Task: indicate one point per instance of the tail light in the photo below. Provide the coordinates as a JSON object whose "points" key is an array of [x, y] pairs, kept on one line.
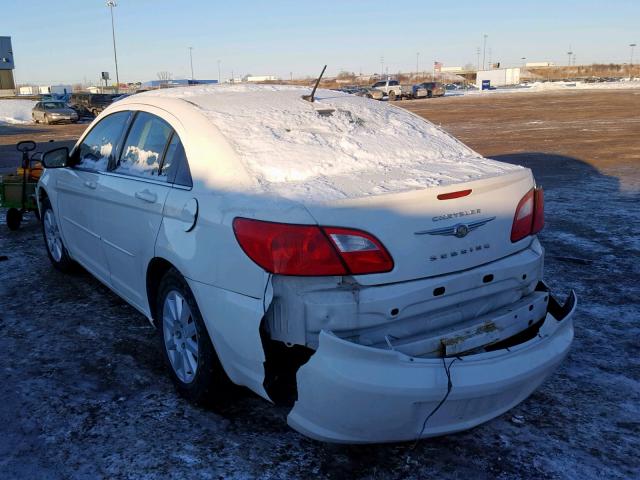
{"points": [[529, 217], [310, 250]]}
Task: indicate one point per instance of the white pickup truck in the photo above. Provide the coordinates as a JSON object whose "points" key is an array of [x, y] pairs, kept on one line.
{"points": [[392, 89]]}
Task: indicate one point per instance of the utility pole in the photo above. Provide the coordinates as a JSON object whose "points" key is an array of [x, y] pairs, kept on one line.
{"points": [[218, 71], [478, 54], [111, 4], [569, 53], [191, 61], [523, 60], [417, 63], [381, 67], [632, 46], [484, 50]]}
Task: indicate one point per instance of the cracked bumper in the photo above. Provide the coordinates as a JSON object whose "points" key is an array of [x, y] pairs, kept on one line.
{"points": [[349, 393]]}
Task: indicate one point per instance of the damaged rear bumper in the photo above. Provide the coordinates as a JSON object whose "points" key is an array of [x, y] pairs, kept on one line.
{"points": [[350, 393]]}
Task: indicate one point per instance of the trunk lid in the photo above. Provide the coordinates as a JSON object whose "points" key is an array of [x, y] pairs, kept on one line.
{"points": [[419, 232]]}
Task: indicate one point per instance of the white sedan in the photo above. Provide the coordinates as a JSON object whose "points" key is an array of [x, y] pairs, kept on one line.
{"points": [[343, 256]]}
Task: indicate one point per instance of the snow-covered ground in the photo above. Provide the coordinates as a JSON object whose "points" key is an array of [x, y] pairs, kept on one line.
{"points": [[16, 111], [552, 86]]}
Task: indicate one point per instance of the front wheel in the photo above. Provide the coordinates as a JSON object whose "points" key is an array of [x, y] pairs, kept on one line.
{"points": [[392, 96], [195, 368], [56, 250]]}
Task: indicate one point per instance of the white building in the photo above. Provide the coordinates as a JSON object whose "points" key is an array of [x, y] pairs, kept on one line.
{"points": [[260, 78], [55, 89], [29, 90], [451, 69], [539, 64], [499, 77]]}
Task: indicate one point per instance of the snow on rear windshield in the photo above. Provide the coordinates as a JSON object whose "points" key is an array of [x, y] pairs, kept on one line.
{"points": [[359, 147]]}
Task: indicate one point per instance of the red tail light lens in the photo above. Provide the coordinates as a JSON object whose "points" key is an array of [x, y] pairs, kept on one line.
{"points": [[361, 251], [529, 217], [538, 213], [309, 250]]}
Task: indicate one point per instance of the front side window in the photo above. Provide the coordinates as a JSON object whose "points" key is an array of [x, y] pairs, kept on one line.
{"points": [[393, 82], [98, 148], [145, 145]]}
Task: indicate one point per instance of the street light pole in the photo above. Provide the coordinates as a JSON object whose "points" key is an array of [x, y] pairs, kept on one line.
{"points": [[218, 71], [523, 60], [111, 4], [632, 45], [191, 61], [417, 63], [484, 50]]}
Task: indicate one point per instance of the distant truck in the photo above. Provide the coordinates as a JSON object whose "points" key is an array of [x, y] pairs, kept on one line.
{"points": [[393, 90], [90, 103]]}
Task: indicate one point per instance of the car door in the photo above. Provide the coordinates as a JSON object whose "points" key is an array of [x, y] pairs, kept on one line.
{"points": [[131, 200], [76, 188], [38, 112]]}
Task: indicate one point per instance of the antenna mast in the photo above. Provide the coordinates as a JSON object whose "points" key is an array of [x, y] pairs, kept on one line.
{"points": [[311, 98]]}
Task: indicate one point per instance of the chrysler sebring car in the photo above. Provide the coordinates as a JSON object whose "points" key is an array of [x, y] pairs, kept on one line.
{"points": [[340, 256]]}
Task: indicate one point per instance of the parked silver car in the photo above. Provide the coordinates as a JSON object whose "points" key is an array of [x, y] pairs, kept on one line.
{"points": [[53, 112]]}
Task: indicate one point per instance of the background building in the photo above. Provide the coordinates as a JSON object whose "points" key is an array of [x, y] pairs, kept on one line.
{"points": [[6, 64]]}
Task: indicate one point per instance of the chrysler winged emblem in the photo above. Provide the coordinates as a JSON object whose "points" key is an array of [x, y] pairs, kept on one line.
{"points": [[459, 230]]}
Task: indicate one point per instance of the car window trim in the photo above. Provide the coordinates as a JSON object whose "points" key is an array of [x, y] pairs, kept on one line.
{"points": [[133, 114], [164, 154]]}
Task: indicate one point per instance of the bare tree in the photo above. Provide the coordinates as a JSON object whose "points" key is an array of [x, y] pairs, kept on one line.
{"points": [[164, 76]]}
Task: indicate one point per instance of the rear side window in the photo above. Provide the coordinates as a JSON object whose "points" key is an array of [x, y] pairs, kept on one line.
{"points": [[393, 82], [144, 148], [175, 165], [98, 148]]}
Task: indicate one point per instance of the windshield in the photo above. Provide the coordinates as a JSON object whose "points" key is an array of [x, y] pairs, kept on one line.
{"points": [[53, 105]]}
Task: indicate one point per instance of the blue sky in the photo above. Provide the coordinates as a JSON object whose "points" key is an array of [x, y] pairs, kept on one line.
{"points": [[70, 40]]}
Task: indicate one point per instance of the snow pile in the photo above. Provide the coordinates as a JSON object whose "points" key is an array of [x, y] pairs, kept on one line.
{"points": [[341, 146], [16, 111]]}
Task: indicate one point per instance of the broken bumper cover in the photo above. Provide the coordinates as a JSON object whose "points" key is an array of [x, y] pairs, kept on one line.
{"points": [[349, 393]]}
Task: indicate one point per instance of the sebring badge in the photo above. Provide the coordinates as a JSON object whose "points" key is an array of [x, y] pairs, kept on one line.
{"points": [[459, 230]]}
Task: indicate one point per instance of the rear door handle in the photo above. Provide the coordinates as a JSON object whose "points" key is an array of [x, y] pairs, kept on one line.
{"points": [[90, 184], [147, 196]]}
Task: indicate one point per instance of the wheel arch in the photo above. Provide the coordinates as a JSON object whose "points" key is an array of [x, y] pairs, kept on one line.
{"points": [[156, 269]]}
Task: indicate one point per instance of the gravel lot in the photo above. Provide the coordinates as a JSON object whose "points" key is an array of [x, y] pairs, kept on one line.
{"points": [[85, 395]]}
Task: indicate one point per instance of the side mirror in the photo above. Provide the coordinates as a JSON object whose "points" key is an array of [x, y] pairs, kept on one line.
{"points": [[56, 158]]}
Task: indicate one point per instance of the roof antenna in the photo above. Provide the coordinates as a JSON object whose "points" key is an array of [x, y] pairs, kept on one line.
{"points": [[311, 98]]}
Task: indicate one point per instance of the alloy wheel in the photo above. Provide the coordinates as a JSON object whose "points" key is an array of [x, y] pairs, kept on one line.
{"points": [[180, 336]]}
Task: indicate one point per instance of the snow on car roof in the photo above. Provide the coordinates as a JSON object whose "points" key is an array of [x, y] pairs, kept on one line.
{"points": [[340, 146]]}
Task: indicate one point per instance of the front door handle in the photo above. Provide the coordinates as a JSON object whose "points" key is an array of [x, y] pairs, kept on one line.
{"points": [[147, 196], [90, 184]]}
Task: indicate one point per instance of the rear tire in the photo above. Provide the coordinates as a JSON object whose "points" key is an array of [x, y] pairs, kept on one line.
{"points": [[14, 219], [429, 94], [194, 366], [56, 250]]}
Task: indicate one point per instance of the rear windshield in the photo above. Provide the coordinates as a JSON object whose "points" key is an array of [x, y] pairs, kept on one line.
{"points": [[53, 105]]}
